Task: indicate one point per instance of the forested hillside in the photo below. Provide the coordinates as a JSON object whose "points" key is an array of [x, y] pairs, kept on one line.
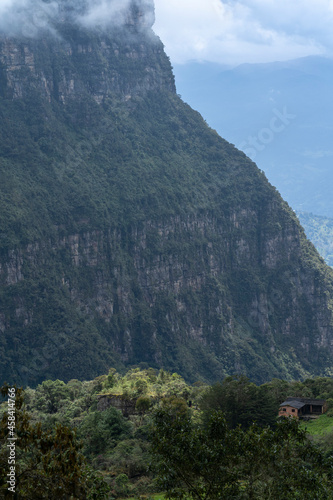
{"points": [[130, 231], [148, 431]]}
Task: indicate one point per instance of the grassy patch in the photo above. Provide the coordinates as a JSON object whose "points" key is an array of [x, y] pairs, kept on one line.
{"points": [[320, 426]]}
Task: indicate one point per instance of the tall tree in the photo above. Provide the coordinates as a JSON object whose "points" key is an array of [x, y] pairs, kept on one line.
{"points": [[241, 401], [49, 464], [215, 462]]}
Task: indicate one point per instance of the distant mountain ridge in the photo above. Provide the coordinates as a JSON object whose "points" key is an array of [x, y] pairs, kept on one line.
{"points": [[241, 102], [130, 232], [320, 231]]}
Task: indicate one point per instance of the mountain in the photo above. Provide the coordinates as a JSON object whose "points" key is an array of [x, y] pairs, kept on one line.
{"points": [[319, 230], [277, 113], [131, 232]]}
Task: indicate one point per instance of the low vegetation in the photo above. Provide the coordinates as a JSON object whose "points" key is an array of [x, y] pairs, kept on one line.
{"points": [[190, 441]]}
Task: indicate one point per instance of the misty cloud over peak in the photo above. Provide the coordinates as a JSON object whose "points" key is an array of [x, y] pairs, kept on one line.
{"points": [[31, 17]]}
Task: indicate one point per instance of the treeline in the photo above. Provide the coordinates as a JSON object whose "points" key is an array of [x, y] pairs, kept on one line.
{"points": [[192, 441]]}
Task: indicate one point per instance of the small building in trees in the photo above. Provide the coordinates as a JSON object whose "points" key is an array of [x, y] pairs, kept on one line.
{"points": [[124, 403], [302, 407]]}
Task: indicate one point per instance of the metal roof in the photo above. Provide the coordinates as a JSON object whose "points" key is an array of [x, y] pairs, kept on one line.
{"points": [[293, 404], [308, 401], [300, 402]]}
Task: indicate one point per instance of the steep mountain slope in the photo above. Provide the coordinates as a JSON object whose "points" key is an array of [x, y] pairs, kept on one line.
{"points": [[131, 232]]}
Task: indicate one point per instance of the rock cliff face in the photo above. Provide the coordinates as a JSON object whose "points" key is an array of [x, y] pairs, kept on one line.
{"points": [[130, 232], [74, 63]]}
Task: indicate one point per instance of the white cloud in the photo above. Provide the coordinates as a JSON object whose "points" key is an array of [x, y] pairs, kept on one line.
{"points": [[317, 154], [26, 16], [30, 16], [225, 31], [105, 12], [237, 31]]}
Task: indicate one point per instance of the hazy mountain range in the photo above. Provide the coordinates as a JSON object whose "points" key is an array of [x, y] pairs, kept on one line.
{"points": [[279, 114]]}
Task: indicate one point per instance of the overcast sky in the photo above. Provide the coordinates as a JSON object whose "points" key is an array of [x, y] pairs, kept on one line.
{"points": [[224, 31], [238, 31]]}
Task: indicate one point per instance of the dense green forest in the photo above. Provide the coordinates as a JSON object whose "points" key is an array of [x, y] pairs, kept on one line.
{"points": [[190, 441]]}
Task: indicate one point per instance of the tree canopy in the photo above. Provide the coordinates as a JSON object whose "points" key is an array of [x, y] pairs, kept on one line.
{"points": [[49, 463], [241, 401], [212, 461]]}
